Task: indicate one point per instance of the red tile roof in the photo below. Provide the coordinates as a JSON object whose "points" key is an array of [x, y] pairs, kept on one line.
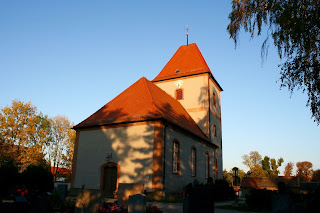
{"points": [[143, 101], [268, 182], [188, 60], [61, 171]]}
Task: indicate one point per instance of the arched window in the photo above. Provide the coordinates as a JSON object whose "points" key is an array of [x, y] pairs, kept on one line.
{"points": [[214, 130], [175, 156], [207, 165], [193, 161], [214, 99]]}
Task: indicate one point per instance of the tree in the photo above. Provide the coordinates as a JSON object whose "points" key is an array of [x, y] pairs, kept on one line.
{"points": [[288, 170], [316, 175], [304, 170], [228, 176], [257, 171], [62, 143], [270, 166], [294, 27], [24, 133], [251, 160]]}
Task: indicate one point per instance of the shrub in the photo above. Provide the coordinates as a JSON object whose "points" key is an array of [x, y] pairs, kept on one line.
{"points": [[38, 179], [260, 199], [153, 209], [111, 208], [8, 175]]}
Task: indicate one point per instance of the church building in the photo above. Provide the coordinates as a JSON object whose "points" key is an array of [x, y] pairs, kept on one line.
{"points": [[164, 133]]}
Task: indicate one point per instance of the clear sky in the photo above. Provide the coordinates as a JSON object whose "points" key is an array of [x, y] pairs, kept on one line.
{"points": [[72, 57]]}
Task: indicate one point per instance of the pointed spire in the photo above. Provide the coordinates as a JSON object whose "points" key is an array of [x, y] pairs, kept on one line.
{"points": [[187, 29], [188, 60]]}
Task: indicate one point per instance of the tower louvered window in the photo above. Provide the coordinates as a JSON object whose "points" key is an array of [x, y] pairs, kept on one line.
{"points": [[179, 94]]}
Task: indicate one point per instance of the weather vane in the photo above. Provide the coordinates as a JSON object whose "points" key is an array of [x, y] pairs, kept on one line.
{"points": [[187, 29]]}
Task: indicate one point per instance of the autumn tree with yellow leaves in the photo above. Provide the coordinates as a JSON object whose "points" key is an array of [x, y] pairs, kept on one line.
{"points": [[28, 137], [61, 143], [24, 134]]}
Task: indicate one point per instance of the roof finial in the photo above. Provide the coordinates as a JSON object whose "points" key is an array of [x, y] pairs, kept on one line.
{"points": [[187, 29]]}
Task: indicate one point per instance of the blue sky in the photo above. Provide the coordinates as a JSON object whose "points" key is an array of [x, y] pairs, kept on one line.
{"points": [[72, 57]]}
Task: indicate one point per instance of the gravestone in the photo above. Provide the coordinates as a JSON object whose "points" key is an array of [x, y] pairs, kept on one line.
{"points": [[137, 203], [127, 189], [62, 190]]}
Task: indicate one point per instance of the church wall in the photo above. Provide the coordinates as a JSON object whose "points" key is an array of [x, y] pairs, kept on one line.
{"points": [[131, 148], [174, 183], [215, 120], [195, 97]]}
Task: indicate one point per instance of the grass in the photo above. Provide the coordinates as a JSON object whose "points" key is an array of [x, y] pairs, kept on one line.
{"points": [[241, 207]]}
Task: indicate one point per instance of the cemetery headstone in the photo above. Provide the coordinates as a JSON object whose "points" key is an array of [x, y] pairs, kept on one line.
{"points": [[127, 189], [137, 203], [62, 189]]}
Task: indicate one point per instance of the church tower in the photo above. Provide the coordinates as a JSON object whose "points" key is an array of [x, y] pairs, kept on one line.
{"points": [[188, 79]]}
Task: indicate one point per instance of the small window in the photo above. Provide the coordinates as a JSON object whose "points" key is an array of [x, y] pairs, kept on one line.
{"points": [[214, 130], [175, 157], [179, 94], [207, 165], [214, 99], [193, 162]]}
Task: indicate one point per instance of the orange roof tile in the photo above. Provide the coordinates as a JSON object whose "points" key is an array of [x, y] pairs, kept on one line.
{"points": [[268, 182], [143, 101], [188, 60]]}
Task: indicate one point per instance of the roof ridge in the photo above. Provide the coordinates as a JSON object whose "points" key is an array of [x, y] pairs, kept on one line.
{"points": [[203, 60], [151, 97]]}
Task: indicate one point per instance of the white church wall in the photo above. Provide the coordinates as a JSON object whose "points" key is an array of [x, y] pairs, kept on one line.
{"points": [[215, 120], [176, 182], [131, 148], [214, 88], [195, 97]]}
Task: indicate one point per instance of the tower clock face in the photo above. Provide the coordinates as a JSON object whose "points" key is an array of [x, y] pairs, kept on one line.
{"points": [[179, 84]]}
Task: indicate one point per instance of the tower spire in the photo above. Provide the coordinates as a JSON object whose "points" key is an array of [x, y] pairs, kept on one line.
{"points": [[187, 29]]}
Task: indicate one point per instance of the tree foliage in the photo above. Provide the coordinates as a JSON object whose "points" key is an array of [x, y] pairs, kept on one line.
{"points": [[257, 171], [27, 137], [288, 170], [62, 143], [228, 175], [251, 160], [316, 175], [295, 29], [24, 134], [304, 170], [258, 167], [271, 165]]}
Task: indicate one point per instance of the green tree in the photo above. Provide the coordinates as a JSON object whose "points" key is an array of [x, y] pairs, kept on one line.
{"points": [[304, 170], [288, 170], [228, 175], [294, 27], [270, 166], [257, 171]]}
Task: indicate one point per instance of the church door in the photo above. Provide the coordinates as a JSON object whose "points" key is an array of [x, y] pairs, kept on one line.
{"points": [[109, 179]]}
